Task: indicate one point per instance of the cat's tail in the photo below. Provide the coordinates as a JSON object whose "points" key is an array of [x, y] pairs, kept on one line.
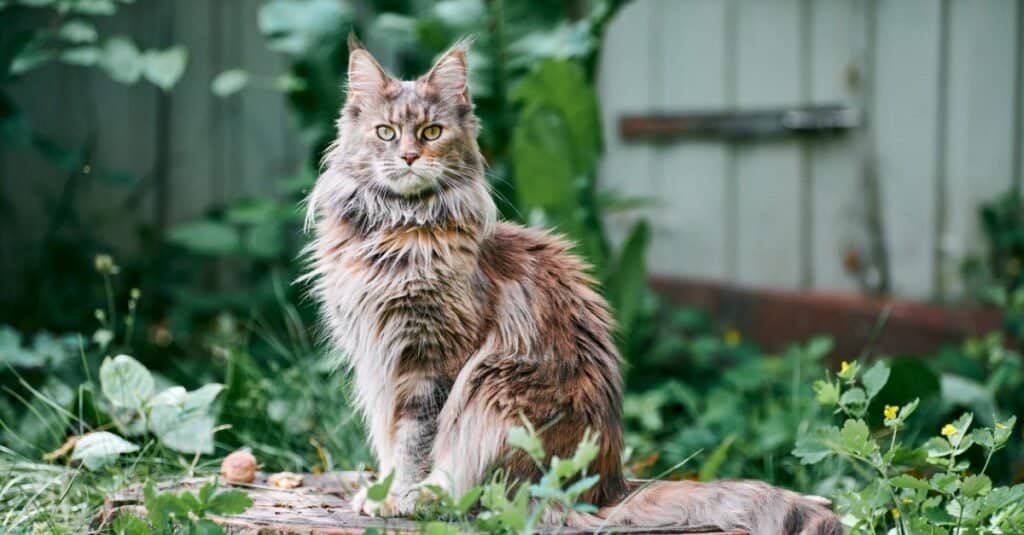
{"points": [[751, 507]]}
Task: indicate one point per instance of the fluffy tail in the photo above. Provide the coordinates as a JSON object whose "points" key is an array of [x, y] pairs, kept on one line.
{"points": [[752, 507]]}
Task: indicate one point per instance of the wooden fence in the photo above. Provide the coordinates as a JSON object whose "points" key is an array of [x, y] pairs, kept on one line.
{"points": [[939, 87], [938, 82]]}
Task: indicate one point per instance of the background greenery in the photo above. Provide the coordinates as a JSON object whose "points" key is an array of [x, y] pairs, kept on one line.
{"points": [[214, 367]]}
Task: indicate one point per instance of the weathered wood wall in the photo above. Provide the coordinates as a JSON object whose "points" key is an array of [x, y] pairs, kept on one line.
{"points": [[939, 82], [187, 147]]}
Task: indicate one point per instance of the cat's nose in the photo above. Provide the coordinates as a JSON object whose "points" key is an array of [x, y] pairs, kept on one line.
{"points": [[410, 157]]}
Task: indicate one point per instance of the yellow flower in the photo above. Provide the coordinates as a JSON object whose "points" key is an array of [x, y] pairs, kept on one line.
{"points": [[895, 512], [732, 338], [891, 411], [1000, 425], [948, 430], [844, 367]]}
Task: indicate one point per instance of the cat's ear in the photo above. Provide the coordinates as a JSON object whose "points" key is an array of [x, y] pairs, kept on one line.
{"points": [[450, 75], [365, 75]]}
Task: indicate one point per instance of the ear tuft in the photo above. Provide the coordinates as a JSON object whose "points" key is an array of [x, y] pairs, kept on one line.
{"points": [[354, 43], [450, 75], [365, 75]]}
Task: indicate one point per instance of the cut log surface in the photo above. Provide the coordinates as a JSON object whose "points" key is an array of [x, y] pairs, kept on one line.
{"points": [[320, 506]]}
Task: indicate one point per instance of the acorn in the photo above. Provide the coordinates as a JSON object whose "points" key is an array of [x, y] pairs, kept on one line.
{"points": [[239, 467]]}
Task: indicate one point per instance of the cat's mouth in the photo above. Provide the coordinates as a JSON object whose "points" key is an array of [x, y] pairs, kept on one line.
{"points": [[411, 184]]}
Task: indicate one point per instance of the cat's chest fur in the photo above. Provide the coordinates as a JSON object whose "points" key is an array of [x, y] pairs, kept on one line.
{"points": [[401, 300]]}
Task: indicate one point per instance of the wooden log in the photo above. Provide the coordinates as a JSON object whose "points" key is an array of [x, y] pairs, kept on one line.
{"points": [[320, 506]]}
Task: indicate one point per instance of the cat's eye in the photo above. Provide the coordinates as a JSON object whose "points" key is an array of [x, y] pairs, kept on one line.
{"points": [[385, 132], [431, 132]]}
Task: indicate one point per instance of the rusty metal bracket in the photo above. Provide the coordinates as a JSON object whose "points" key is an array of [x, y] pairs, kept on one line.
{"points": [[742, 124]]}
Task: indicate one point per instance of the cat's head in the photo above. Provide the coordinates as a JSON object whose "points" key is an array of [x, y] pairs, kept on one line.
{"points": [[409, 138]]}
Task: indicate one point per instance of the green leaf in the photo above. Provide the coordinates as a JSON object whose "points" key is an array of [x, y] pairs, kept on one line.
{"points": [[811, 449], [709, 469], [229, 502], [77, 31], [99, 448], [440, 528], [91, 7], [379, 491], [206, 492], [122, 60], [962, 425], [468, 499], [826, 392], [125, 382], [856, 437], [163, 68], [945, 483], [207, 527], [129, 524], [1001, 431], [909, 482], [626, 286], [819, 346], [582, 485], [206, 237], [555, 146], [938, 447], [229, 82], [524, 439], [296, 26], [181, 420], [83, 56], [976, 485], [853, 397], [875, 378]]}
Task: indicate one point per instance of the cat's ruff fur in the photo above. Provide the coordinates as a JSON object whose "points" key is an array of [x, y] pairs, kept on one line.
{"points": [[455, 324]]}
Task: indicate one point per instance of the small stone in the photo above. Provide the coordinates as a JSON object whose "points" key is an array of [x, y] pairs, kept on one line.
{"points": [[284, 480], [239, 467]]}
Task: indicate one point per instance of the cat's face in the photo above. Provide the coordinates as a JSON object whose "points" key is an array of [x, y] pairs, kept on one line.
{"points": [[410, 138]]}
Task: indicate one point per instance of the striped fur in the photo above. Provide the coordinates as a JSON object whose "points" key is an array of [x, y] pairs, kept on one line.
{"points": [[454, 324]]}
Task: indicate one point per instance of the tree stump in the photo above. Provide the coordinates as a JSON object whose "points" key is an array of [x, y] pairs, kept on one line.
{"points": [[321, 506]]}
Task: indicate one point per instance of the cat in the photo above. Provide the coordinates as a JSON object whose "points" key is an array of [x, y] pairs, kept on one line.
{"points": [[455, 325]]}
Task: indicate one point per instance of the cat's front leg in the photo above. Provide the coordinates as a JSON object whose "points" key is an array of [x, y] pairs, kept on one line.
{"points": [[415, 425]]}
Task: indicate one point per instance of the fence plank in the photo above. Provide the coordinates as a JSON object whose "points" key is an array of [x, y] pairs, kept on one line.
{"points": [[268, 144], [837, 218], [124, 119], [906, 77], [980, 151], [688, 176], [625, 84], [193, 119], [769, 186]]}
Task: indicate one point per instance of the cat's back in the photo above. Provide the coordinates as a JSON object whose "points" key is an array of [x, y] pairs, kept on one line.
{"points": [[545, 290], [513, 252]]}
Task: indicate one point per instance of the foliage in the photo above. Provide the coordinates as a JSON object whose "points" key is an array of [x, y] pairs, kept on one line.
{"points": [[40, 35], [507, 506], [65, 31], [930, 488], [185, 512]]}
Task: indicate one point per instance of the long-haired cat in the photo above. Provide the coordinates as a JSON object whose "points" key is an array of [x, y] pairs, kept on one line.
{"points": [[454, 324]]}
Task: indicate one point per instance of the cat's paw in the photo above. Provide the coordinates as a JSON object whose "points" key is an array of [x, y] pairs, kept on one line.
{"points": [[394, 504], [358, 500]]}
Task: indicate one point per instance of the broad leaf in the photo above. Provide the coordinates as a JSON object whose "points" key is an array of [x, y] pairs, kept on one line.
{"points": [[230, 502], [100, 448], [163, 68], [874, 378], [125, 382], [229, 82]]}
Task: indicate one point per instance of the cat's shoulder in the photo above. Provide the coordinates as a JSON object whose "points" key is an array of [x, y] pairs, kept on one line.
{"points": [[517, 250]]}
